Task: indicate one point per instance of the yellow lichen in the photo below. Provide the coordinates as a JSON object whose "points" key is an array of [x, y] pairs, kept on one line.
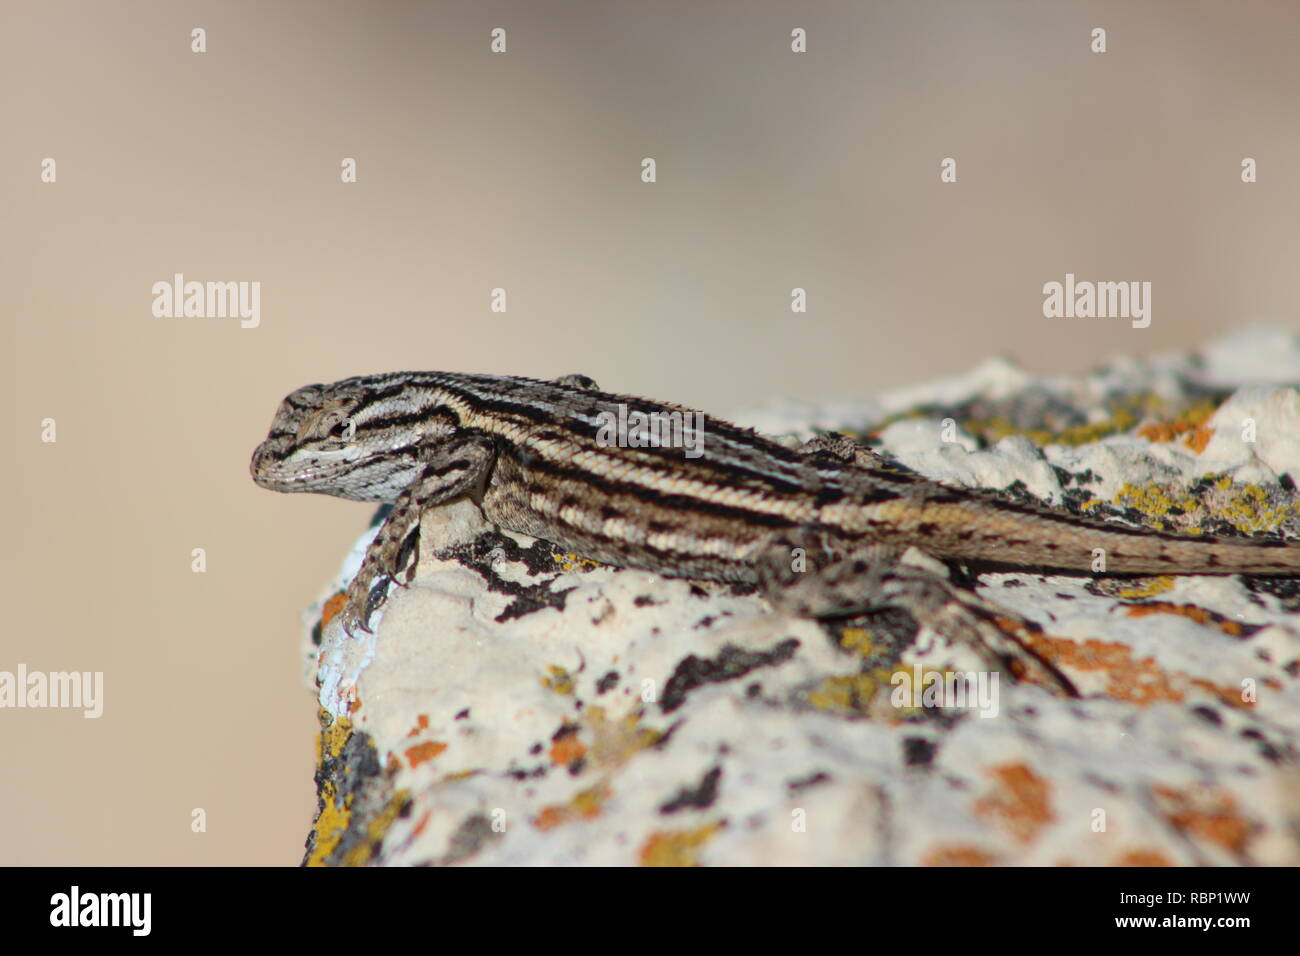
{"points": [[364, 852], [1149, 587], [1156, 502], [1248, 510], [676, 847], [335, 815], [615, 741], [845, 693], [857, 641], [574, 562], [558, 679]]}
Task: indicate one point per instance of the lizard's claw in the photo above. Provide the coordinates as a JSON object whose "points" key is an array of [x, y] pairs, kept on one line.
{"points": [[363, 598]]}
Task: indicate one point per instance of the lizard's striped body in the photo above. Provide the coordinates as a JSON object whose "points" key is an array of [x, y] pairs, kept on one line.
{"points": [[531, 452]]}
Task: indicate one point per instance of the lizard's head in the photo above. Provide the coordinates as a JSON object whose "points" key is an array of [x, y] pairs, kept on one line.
{"points": [[358, 439]]}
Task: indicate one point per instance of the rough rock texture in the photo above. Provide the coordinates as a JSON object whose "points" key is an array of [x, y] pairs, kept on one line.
{"points": [[519, 705]]}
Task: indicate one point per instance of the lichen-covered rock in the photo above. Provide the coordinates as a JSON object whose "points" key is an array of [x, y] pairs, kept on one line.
{"points": [[519, 705]]}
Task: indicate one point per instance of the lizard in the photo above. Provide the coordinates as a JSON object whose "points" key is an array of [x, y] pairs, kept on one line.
{"points": [[823, 530]]}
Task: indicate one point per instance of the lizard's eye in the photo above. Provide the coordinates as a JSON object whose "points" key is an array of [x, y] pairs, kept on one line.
{"points": [[344, 430]]}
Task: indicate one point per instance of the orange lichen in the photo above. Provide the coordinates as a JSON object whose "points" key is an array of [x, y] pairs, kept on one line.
{"points": [[585, 805], [1143, 858], [1199, 437], [331, 609], [958, 854], [1190, 611], [600, 741], [421, 724], [1206, 812], [1021, 801], [1140, 682], [1158, 431], [423, 752], [421, 823], [1190, 423], [567, 750]]}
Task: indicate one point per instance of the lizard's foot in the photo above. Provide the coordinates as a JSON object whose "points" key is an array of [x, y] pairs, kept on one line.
{"points": [[578, 381], [994, 632], [395, 548], [452, 469], [800, 580], [841, 446]]}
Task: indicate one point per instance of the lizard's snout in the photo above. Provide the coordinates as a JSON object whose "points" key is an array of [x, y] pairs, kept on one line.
{"points": [[261, 464]]}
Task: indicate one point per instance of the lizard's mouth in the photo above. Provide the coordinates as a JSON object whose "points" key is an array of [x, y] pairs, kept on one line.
{"points": [[277, 468], [344, 472], [274, 468], [268, 469]]}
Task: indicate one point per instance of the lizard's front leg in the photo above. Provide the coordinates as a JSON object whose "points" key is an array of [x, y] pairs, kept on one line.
{"points": [[872, 578], [452, 468]]}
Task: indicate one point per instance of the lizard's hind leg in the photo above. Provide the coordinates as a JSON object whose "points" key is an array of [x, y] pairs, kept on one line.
{"points": [[807, 581]]}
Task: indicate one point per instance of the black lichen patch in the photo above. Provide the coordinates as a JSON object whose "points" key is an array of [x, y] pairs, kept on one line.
{"points": [[349, 771], [803, 783], [483, 556], [699, 797], [356, 800], [607, 682], [732, 662], [520, 773], [1209, 715], [891, 631], [1265, 748], [1285, 590], [1074, 478], [918, 752], [471, 836]]}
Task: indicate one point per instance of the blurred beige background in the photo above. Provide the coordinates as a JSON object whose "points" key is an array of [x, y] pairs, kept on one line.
{"points": [[521, 170]]}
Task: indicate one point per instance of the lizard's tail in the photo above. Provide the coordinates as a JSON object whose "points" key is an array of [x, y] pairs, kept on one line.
{"points": [[1024, 535]]}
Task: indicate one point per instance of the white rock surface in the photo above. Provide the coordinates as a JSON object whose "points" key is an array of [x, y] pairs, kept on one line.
{"points": [[536, 709]]}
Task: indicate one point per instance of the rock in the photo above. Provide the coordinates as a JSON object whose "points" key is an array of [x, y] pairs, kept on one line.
{"points": [[520, 705]]}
